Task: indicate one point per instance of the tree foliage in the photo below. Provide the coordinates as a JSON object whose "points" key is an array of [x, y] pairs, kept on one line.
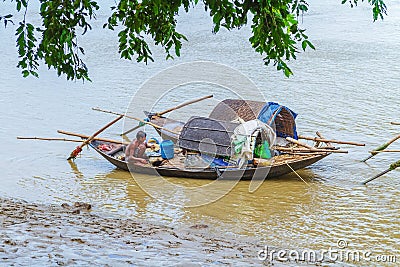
{"points": [[275, 30]]}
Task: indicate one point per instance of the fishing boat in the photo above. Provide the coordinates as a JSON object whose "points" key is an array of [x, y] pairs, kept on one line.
{"points": [[281, 165], [214, 135]]}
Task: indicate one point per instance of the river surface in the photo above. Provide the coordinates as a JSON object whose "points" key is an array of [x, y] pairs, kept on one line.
{"points": [[347, 89]]}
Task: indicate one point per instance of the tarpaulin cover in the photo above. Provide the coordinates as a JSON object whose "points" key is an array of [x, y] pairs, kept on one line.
{"points": [[279, 117], [207, 136]]}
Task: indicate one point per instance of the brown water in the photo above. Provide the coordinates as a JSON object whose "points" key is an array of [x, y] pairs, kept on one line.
{"points": [[347, 89]]}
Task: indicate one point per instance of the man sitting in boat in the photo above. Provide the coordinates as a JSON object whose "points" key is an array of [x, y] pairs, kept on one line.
{"points": [[134, 153]]}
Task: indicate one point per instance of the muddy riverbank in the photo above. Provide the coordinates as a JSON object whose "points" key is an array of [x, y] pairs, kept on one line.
{"points": [[35, 234]]}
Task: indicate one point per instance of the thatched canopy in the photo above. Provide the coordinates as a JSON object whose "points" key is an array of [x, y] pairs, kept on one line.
{"points": [[231, 109], [279, 117]]}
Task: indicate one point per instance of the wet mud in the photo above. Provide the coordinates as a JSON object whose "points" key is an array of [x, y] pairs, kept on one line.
{"points": [[69, 234]]}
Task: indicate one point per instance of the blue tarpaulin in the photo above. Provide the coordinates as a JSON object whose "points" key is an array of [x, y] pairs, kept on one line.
{"points": [[269, 114]]}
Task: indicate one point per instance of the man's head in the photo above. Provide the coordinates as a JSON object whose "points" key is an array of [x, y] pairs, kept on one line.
{"points": [[141, 136]]}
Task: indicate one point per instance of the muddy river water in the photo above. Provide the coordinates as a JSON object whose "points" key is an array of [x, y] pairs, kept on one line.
{"points": [[346, 89]]}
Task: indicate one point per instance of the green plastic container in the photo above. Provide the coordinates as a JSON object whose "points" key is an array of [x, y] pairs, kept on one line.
{"points": [[262, 151]]}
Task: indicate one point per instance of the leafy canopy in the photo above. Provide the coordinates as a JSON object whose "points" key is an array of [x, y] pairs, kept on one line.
{"points": [[276, 33]]}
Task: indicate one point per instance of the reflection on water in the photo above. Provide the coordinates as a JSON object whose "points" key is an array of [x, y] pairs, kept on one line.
{"points": [[347, 89], [75, 169]]}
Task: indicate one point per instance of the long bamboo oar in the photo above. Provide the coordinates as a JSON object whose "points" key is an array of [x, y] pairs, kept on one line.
{"points": [[169, 110], [183, 105], [78, 149], [48, 139], [395, 123], [133, 118], [305, 150], [392, 166], [96, 138], [316, 139], [382, 147]]}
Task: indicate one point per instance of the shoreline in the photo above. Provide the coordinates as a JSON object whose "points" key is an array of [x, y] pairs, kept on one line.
{"points": [[38, 234]]}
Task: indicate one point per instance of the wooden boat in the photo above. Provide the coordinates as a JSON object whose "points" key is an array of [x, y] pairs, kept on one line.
{"points": [[281, 118], [281, 165]]}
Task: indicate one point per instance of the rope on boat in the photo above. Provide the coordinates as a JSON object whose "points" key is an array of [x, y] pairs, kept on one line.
{"points": [[298, 175]]}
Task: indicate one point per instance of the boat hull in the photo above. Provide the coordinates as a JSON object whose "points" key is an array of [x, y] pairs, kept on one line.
{"points": [[225, 173]]}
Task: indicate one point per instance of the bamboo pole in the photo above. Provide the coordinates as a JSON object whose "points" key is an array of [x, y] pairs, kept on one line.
{"points": [[316, 139], [382, 147], [305, 153], [294, 141], [183, 105], [169, 110], [131, 130], [48, 139], [320, 136], [386, 150], [392, 166], [376, 176], [137, 119], [78, 149], [96, 138], [395, 123], [305, 150]]}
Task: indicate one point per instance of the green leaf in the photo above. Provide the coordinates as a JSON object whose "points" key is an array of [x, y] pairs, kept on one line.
{"points": [[310, 45], [34, 73], [304, 45], [25, 73], [177, 50]]}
